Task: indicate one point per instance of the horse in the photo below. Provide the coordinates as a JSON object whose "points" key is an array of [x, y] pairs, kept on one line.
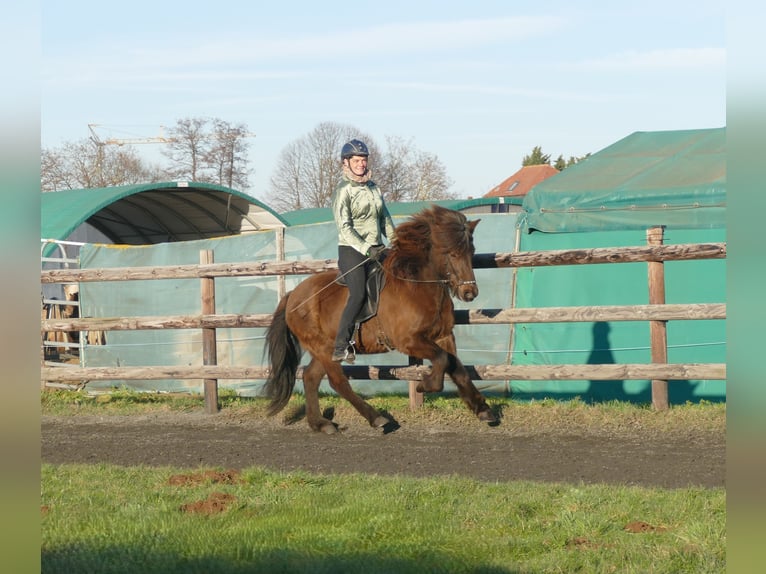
{"points": [[428, 262]]}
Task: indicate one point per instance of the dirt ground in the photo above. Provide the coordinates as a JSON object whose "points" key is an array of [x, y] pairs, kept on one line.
{"points": [[492, 454]]}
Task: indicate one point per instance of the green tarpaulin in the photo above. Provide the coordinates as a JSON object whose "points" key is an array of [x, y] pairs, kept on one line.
{"points": [[672, 178]]}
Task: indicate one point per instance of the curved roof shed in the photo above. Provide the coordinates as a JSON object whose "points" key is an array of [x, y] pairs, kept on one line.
{"points": [[155, 212]]}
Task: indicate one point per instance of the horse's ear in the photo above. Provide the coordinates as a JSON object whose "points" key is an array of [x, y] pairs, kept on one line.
{"points": [[473, 224]]}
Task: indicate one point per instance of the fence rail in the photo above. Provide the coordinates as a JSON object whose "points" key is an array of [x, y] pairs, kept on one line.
{"points": [[672, 312], [681, 252], [676, 371]]}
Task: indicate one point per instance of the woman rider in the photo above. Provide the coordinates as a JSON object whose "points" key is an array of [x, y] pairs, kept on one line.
{"points": [[363, 220]]}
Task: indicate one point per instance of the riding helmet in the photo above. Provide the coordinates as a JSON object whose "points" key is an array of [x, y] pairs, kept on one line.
{"points": [[354, 147]]}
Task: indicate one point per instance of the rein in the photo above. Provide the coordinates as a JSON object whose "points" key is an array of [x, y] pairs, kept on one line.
{"points": [[445, 281], [341, 276]]}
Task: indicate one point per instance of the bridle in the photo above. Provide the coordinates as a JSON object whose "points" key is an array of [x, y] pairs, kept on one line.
{"points": [[457, 283]]}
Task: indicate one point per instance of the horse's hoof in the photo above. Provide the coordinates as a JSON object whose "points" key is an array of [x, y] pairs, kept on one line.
{"points": [[487, 416], [380, 421], [329, 429]]}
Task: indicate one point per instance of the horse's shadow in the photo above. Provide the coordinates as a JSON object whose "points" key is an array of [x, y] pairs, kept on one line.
{"points": [[299, 413]]}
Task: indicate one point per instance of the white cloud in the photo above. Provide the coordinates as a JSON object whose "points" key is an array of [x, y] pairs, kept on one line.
{"points": [[331, 48], [668, 59], [503, 90]]}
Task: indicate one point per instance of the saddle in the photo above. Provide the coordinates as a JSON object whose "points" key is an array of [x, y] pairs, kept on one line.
{"points": [[376, 279]]}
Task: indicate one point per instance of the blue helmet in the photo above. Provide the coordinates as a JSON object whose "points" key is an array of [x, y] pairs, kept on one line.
{"points": [[354, 147]]}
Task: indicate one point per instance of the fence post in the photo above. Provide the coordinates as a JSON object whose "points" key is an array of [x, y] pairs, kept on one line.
{"points": [[209, 351], [279, 233], [658, 329], [416, 398]]}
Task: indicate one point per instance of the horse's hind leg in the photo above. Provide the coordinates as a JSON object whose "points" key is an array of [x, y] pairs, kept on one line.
{"points": [[312, 377], [339, 383]]}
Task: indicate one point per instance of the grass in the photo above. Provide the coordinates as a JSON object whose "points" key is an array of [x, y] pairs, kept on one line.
{"points": [[546, 415], [106, 519], [109, 519]]}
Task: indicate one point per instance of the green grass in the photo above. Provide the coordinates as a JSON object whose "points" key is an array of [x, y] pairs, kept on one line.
{"points": [[535, 416], [106, 519]]}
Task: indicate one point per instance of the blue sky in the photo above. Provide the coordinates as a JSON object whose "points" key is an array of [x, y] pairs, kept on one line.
{"points": [[478, 84]]}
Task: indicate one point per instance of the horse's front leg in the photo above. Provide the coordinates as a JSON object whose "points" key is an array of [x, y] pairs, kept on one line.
{"points": [[424, 348], [468, 392]]}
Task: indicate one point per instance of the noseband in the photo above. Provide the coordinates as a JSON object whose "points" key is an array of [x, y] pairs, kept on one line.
{"points": [[459, 283]]}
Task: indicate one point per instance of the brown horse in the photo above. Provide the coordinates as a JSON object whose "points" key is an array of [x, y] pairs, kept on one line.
{"points": [[429, 260]]}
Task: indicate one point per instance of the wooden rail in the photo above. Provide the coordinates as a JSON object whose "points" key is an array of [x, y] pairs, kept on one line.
{"points": [[670, 312], [712, 371], [681, 252]]}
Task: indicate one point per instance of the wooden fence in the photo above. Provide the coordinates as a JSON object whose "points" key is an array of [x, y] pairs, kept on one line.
{"points": [[657, 313]]}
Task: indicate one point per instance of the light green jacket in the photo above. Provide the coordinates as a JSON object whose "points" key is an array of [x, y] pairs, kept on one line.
{"points": [[361, 215]]}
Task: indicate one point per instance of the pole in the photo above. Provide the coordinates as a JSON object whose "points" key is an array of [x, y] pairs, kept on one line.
{"points": [[209, 352], [658, 329]]}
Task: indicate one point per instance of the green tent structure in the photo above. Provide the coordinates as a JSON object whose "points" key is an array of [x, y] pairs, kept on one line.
{"points": [[671, 178], [675, 180], [152, 213]]}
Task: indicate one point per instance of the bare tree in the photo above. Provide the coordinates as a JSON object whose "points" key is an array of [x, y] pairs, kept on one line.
{"points": [[308, 169], [431, 181], [412, 175], [227, 155], [186, 148], [90, 164], [210, 150], [395, 177], [54, 174]]}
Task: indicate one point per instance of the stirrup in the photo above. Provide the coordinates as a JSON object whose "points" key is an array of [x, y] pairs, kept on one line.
{"points": [[344, 355]]}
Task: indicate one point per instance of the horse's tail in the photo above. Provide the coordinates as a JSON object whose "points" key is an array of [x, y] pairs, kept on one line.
{"points": [[284, 357]]}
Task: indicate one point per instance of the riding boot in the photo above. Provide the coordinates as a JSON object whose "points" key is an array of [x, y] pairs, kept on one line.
{"points": [[344, 346], [351, 263]]}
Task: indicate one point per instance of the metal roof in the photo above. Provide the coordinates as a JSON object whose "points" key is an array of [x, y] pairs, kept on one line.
{"points": [[155, 212]]}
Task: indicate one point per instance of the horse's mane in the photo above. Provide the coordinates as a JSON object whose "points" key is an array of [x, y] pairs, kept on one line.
{"points": [[432, 231]]}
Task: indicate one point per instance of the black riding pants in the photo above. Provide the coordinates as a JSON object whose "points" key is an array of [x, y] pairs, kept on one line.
{"points": [[352, 265]]}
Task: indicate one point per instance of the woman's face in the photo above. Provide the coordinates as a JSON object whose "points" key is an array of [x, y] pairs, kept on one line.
{"points": [[357, 164]]}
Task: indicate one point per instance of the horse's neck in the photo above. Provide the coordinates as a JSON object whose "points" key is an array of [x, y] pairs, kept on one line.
{"points": [[421, 268]]}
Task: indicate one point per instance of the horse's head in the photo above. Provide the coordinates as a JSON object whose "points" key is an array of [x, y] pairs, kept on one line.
{"points": [[452, 236], [462, 280], [437, 245]]}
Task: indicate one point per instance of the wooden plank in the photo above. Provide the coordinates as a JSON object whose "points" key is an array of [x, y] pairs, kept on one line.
{"points": [[599, 255], [687, 371], [254, 269], [682, 252], [672, 312]]}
